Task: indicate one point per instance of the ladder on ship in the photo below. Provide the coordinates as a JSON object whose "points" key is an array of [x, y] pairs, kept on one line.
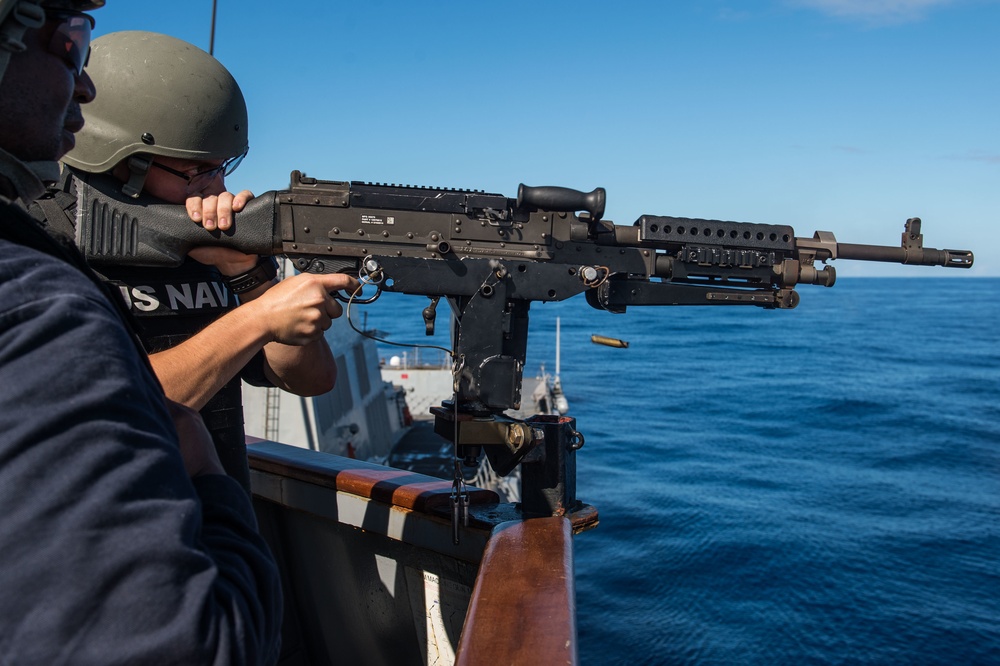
{"points": [[272, 409], [272, 395]]}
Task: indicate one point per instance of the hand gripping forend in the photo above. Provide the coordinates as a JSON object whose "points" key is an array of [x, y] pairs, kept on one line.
{"points": [[147, 232]]}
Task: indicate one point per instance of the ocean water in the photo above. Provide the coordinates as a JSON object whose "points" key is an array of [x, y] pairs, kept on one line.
{"points": [[813, 486]]}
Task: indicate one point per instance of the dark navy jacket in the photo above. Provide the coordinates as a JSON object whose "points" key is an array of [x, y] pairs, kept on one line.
{"points": [[109, 553]]}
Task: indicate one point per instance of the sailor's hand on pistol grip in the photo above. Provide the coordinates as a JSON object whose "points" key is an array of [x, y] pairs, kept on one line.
{"points": [[299, 309]]}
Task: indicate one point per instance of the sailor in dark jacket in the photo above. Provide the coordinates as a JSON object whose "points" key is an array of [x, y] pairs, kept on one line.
{"points": [[122, 541]]}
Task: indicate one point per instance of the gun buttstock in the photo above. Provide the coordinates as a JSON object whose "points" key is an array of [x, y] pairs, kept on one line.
{"points": [[112, 230]]}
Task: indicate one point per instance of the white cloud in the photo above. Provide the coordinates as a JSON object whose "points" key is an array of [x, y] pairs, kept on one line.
{"points": [[978, 156], [854, 150], [876, 12]]}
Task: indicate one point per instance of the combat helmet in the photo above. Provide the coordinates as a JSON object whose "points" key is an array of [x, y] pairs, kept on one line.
{"points": [[159, 96], [17, 16]]}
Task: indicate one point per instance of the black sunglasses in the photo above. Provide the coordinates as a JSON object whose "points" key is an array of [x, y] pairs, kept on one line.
{"points": [[71, 37], [196, 181]]}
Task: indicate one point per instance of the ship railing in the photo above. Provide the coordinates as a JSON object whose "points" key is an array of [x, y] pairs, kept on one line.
{"points": [[371, 572]]}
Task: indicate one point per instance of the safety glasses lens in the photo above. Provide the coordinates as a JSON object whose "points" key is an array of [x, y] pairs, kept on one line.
{"points": [[202, 178], [230, 165], [71, 39]]}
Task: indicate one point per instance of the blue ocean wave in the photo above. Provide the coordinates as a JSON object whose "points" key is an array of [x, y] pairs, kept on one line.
{"points": [[815, 486]]}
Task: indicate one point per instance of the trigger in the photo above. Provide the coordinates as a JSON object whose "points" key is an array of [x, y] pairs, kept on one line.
{"points": [[345, 297]]}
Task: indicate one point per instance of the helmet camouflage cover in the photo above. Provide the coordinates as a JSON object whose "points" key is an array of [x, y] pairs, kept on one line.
{"points": [[158, 95]]}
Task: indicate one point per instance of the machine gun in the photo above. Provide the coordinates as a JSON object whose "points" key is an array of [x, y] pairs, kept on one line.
{"points": [[490, 256]]}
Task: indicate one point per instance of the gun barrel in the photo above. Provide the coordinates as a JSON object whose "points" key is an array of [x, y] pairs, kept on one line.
{"points": [[903, 255]]}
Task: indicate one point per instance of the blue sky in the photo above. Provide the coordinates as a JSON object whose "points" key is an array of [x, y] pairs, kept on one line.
{"points": [[840, 115]]}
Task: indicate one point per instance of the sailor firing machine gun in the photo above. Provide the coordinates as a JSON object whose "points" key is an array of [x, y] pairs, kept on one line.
{"points": [[490, 256]]}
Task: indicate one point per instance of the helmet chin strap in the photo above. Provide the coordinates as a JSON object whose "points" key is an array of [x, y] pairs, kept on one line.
{"points": [[48, 171], [138, 168], [23, 15], [27, 179]]}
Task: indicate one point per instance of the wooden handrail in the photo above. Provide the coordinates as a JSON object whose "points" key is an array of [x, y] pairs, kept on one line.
{"points": [[392, 486], [523, 607]]}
